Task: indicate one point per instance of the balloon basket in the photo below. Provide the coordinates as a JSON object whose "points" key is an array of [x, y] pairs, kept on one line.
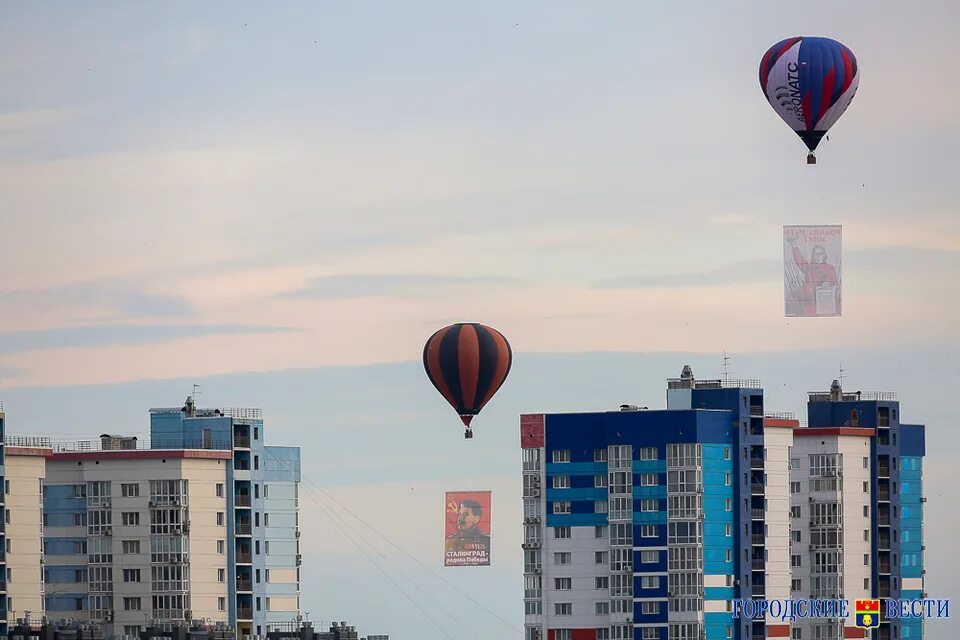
{"points": [[468, 434], [811, 159]]}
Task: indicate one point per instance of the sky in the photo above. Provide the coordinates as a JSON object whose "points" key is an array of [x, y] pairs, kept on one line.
{"points": [[283, 203]]}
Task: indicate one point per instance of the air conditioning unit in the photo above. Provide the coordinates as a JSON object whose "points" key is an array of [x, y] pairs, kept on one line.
{"points": [[535, 493]]}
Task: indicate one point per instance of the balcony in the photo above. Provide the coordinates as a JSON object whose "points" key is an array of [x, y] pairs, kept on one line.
{"points": [[883, 519], [883, 471], [756, 463], [3, 586], [244, 557], [756, 514], [756, 488], [242, 500], [883, 495], [245, 614], [244, 585], [757, 590], [883, 542], [757, 539], [756, 411], [758, 564], [243, 529], [241, 442], [883, 567]]}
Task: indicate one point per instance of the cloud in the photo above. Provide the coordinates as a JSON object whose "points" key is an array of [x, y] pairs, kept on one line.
{"points": [[738, 272], [123, 300], [129, 334], [361, 285]]}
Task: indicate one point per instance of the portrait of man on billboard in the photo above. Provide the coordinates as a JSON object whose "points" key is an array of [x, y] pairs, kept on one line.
{"points": [[467, 540]]}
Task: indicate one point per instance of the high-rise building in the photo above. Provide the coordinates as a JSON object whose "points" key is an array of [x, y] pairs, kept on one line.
{"points": [[3, 532], [23, 521], [135, 537], [864, 468], [646, 524], [262, 515]]}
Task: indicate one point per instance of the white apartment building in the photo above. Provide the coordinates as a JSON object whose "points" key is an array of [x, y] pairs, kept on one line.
{"points": [[831, 521], [135, 537], [23, 519]]}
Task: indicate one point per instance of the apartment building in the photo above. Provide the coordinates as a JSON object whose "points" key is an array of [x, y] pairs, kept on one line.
{"points": [[23, 521], [135, 537], [646, 524]]}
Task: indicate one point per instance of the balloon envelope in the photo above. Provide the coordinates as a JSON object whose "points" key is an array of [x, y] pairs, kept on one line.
{"points": [[467, 363], [809, 82]]}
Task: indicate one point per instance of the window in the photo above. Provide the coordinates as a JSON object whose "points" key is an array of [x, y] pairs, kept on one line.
{"points": [[561, 455], [650, 582], [600, 506], [728, 504], [603, 633], [648, 480], [726, 479], [599, 455], [561, 532], [650, 608], [795, 536], [562, 558], [131, 490], [866, 535], [866, 559], [220, 494], [266, 575], [603, 608], [600, 557], [600, 531], [220, 519], [131, 575], [564, 634], [561, 482], [794, 512], [221, 575], [621, 534], [131, 519], [649, 633], [648, 505], [649, 557], [600, 480], [563, 609], [256, 463], [794, 487], [648, 531], [601, 582], [131, 604], [561, 507], [648, 453], [795, 561], [563, 584], [866, 462], [795, 585], [866, 487], [729, 556], [131, 546], [728, 530], [220, 546], [866, 583]]}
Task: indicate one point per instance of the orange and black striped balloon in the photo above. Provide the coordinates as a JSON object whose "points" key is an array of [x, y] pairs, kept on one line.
{"points": [[467, 363]]}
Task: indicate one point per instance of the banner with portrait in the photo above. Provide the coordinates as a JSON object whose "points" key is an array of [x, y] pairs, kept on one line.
{"points": [[466, 529], [812, 270]]}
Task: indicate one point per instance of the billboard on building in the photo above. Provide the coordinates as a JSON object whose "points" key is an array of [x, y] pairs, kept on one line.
{"points": [[811, 270], [467, 529]]}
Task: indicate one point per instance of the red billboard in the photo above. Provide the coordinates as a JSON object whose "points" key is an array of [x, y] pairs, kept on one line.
{"points": [[466, 529]]}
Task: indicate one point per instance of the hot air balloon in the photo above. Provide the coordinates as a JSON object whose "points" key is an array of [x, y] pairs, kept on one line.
{"points": [[809, 82], [467, 363]]}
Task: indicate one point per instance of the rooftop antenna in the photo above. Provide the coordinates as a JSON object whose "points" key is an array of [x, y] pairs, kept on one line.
{"points": [[842, 371], [726, 370], [196, 391]]}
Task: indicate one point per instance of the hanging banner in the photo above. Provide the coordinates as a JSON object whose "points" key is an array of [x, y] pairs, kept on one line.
{"points": [[811, 270], [467, 529]]}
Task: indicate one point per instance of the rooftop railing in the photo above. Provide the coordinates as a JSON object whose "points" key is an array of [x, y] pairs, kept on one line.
{"points": [[856, 396], [228, 412], [687, 383]]}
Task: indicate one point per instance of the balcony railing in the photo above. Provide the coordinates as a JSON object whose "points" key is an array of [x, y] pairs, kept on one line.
{"points": [[883, 495], [756, 488], [884, 567], [242, 500], [756, 463], [756, 514], [242, 442], [244, 585], [244, 614], [757, 590], [243, 529], [244, 557], [883, 471], [756, 411], [758, 539], [758, 565]]}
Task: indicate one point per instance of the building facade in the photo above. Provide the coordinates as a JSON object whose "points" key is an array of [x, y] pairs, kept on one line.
{"points": [[646, 524], [136, 537], [262, 510], [23, 519]]}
